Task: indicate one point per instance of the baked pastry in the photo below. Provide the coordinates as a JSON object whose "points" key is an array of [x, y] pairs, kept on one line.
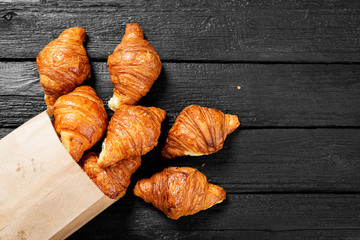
{"points": [[179, 191], [63, 64], [113, 180], [133, 131], [198, 131], [80, 120], [134, 66]]}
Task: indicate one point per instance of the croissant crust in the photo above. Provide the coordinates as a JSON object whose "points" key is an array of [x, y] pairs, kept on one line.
{"points": [[198, 131], [114, 180], [63, 64], [80, 120], [133, 67], [179, 191], [132, 131]]}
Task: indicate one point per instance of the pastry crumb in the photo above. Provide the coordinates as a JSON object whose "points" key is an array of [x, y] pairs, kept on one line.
{"points": [[203, 165], [238, 87]]}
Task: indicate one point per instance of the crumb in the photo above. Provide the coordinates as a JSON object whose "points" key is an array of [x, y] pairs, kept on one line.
{"points": [[203, 165], [238, 87]]}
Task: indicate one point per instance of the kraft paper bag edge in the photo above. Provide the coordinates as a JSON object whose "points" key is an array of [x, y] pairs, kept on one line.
{"points": [[101, 203]]}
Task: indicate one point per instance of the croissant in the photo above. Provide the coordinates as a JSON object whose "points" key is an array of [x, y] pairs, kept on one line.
{"points": [[63, 64], [114, 180], [134, 66], [179, 191], [132, 132], [80, 120], [198, 131]]}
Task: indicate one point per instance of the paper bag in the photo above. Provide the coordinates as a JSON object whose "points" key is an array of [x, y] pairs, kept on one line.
{"points": [[44, 194]]}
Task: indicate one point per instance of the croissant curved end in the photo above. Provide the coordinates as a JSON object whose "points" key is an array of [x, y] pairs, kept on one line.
{"points": [[159, 112], [77, 33], [142, 188], [74, 146], [193, 154], [133, 30], [100, 160], [232, 122], [105, 160], [114, 103], [215, 195], [119, 99]]}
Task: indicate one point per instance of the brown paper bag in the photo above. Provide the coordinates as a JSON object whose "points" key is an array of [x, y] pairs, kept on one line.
{"points": [[44, 194]]}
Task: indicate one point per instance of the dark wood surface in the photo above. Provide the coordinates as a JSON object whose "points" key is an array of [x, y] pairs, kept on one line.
{"points": [[207, 30], [292, 169], [271, 95]]}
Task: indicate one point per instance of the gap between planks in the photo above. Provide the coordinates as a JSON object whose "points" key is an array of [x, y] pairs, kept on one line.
{"points": [[209, 61]]}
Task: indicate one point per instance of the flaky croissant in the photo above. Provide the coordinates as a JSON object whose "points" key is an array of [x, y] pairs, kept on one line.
{"points": [[179, 191], [198, 131], [80, 120], [134, 66], [113, 180], [133, 131], [63, 64]]}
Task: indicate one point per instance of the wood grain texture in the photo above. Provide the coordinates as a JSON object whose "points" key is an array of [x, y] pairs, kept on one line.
{"points": [[206, 30], [215, 235], [271, 95], [291, 170], [272, 160], [247, 215]]}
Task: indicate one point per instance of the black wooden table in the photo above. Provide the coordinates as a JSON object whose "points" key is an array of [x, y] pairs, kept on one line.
{"points": [[289, 70]]}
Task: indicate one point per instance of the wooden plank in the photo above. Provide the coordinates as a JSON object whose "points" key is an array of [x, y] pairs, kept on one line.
{"points": [[326, 31], [274, 215], [273, 160], [86, 233], [271, 95]]}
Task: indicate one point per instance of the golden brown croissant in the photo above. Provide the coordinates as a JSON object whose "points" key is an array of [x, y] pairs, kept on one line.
{"points": [[198, 131], [134, 66], [179, 191], [63, 64], [80, 120], [132, 132], [113, 180]]}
